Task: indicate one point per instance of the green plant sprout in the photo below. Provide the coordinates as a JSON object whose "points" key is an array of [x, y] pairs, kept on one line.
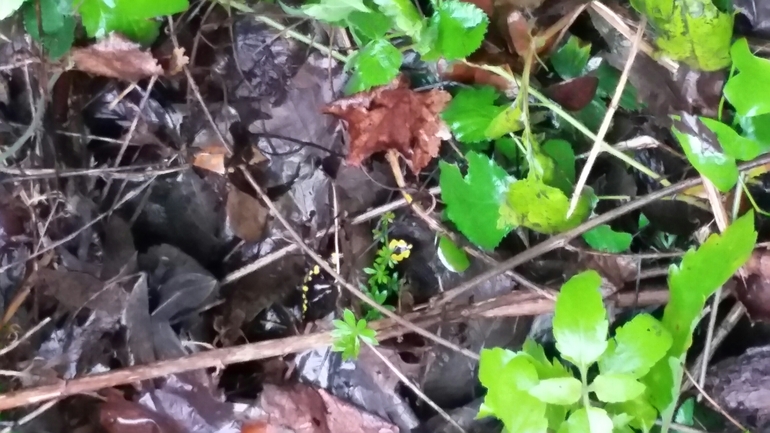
{"points": [[640, 368], [348, 334]]}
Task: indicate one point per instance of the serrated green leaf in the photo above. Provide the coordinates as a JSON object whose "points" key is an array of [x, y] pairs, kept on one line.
{"points": [[132, 18], [376, 64], [452, 256], [616, 388], [531, 203], [561, 391], [57, 22], [589, 420], [571, 59], [404, 14], [637, 346], [561, 152], [482, 190], [459, 28], [334, 10], [710, 161], [741, 90], [8, 7], [371, 25], [740, 148], [471, 112], [642, 413], [603, 238], [580, 320], [693, 32]]}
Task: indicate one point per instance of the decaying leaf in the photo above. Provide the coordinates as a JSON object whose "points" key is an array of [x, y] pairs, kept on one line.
{"points": [[246, 215], [394, 117], [574, 94], [116, 57], [178, 61], [754, 291]]}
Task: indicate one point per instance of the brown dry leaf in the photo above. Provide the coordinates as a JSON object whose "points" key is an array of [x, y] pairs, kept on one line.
{"points": [[467, 74], [394, 117], [116, 57], [178, 61], [211, 158], [617, 269], [246, 215], [754, 292], [76, 290]]}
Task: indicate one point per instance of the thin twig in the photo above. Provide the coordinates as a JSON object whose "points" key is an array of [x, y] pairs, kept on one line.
{"points": [[24, 337], [607, 121]]}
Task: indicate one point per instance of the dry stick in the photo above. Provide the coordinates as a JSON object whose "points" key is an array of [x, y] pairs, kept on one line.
{"points": [[338, 278], [277, 255], [605, 126], [562, 238], [513, 304]]}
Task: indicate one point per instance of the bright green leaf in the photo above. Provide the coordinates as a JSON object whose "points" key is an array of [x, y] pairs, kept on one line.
{"points": [[571, 59], [452, 256], [482, 190], [531, 203], [8, 7], [580, 320], [603, 238], [637, 346], [58, 26], [545, 368], [608, 82], [644, 415], [502, 368], [564, 156], [756, 128], [404, 14], [643, 221], [133, 18], [744, 149], [684, 415], [589, 420], [695, 32], [376, 64], [471, 112], [334, 10], [616, 388], [519, 411], [708, 160], [507, 121], [372, 25], [742, 90], [562, 391], [459, 28]]}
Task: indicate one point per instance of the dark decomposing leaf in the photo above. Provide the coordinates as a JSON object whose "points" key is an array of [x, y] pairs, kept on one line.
{"points": [[77, 290], [246, 215], [183, 294], [754, 291], [574, 94], [117, 57], [394, 117]]}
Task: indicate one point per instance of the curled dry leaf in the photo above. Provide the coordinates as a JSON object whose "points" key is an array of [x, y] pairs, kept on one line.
{"points": [[116, 57], [246, 215], [754, 291], [394, 117]]}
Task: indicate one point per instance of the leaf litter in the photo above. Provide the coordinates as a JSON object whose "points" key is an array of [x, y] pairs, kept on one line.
{"points": [[143, 242]]}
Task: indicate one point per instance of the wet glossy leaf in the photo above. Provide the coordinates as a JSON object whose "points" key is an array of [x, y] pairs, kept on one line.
{"points": [[603, 238], [636, 347], [571, 59], [574, 94], [452, 256], [8, 7], [471, 112], [589, 420], [483, 190], [531, 203], [459, 28], [616, 388], [334, 10], [562, 391], [404, 14], [695, 32], [704, 154], [742, 90], [376, 64], [744, 149], [580, 321]]}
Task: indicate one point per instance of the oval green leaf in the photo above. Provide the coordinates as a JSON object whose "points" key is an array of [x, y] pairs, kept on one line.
{"points": [[603, 238], [703, 152], [562, 391], [580, 320], [616, 388], [452, 256]]}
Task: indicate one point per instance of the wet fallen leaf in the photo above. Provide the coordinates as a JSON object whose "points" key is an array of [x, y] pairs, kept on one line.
{"points": [[122, 416], [467, 74], [116, 57], [77, 290], [246, 215], [754, 292], [394, 117], [574, 94]]}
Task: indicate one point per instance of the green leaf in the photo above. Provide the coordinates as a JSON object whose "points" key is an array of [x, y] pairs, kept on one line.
{"points": [[482, 190], [644, 415], [545, 368], [695, 32], [562, 391], [506, 122], [502, 368], [376, 64], [741, 90], [710, 161], [756, 128], [459, 28], [542, 208], [637, 346], [452, 256], [371, 25], [580, 320], [57, 22], [744, 149], [334, 10], [684, 415], [608, 82], [571, 59], [471, 112], [616, 388], [589, 420], [564, 156], [519, 411], [404, 14], [132, 18], [8, 7], [603, 238]]}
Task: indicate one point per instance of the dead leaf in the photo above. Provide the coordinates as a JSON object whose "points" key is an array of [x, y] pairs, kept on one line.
{"points": [[467, 74], [246, 215], [77, 290], [178, 61], [394, 117], [211, 158], [116, 57], [754, 292], [574, 94], [617, 269]]}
